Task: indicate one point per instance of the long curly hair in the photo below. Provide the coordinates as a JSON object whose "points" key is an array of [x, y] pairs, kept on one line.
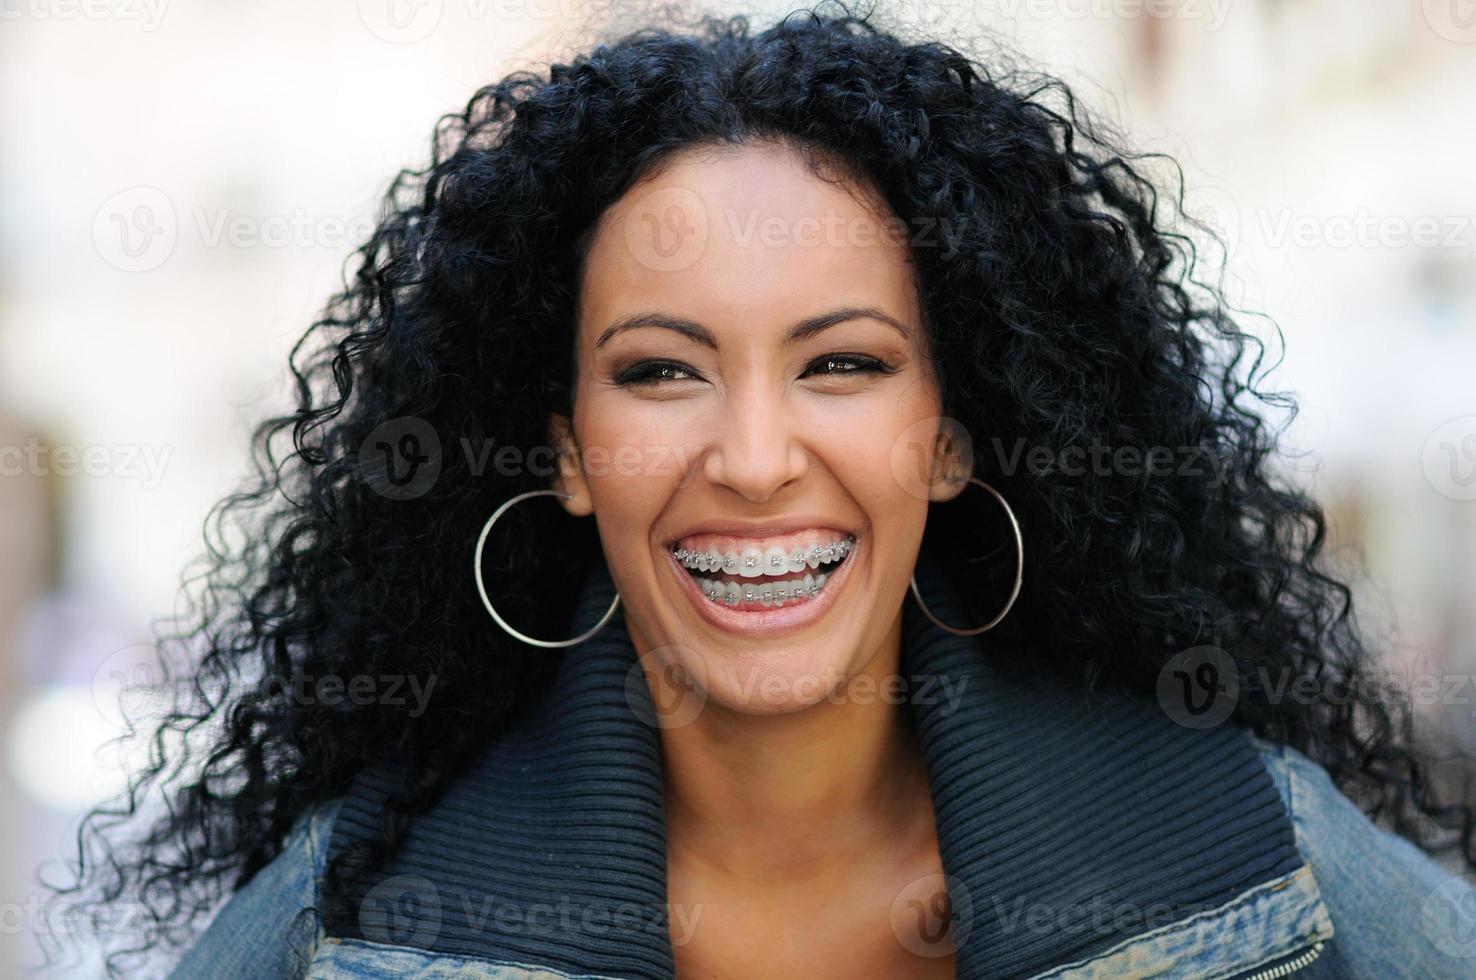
{"points": [[1065, 312]]}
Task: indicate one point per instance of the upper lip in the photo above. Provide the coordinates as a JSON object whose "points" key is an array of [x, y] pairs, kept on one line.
{"points": [[759, 529]]}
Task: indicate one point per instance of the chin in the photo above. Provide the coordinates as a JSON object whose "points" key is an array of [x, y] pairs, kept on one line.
{"points": [[776, 682]]}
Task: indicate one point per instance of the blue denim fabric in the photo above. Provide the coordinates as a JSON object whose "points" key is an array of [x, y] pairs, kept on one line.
{"points": [[356, 959], [1396, 911], [1266, 925], [258, 932], [1393, 911]]}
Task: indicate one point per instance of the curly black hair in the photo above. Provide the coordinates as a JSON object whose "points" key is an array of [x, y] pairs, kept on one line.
{"points": [[1065, 312]]}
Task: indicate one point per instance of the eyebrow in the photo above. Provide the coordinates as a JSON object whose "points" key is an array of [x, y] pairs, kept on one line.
{"points": [[802, 330]]}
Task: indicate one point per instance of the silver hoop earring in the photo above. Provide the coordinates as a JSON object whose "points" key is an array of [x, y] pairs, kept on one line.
{"points": [[1019, 573], [482, 588]]}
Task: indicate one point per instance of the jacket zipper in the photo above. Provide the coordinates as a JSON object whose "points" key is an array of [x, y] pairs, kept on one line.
{"points": [[1289, 966]]}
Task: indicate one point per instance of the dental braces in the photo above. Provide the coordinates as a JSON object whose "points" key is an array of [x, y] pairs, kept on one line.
{"points": [[778, 564]]}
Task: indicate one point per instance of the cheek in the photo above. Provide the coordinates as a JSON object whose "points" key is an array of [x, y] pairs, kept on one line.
{"points": [[634, 461], [874, 454]]}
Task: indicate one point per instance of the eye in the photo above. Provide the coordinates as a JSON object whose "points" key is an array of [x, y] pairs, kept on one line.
{"points": [[832, 365], [652, 373]]}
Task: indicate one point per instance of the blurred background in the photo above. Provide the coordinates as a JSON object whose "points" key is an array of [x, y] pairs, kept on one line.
{"points": [[181, 182]]}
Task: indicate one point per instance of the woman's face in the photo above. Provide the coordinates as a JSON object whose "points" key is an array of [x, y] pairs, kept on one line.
{"points": [[753, 383]]}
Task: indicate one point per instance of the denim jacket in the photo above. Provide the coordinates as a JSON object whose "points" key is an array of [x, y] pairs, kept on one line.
{"points": [[1076, 843]]}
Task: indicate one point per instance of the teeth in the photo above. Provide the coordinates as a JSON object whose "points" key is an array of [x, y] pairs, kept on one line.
{"points": [[776, 561], [751, 563], [763, 593], [773, 563]]}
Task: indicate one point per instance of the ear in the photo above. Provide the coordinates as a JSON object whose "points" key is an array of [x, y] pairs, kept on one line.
{"points": [[952, 465], [570, 477]]}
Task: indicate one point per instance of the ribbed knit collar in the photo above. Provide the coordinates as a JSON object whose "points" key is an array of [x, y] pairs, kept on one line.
{"points": [[1046, 809]]}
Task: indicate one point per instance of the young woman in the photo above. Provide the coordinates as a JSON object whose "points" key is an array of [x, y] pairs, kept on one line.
{"points": [[777, 504]]}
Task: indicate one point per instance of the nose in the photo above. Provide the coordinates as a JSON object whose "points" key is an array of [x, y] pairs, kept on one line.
{"points": [[756, 450]]}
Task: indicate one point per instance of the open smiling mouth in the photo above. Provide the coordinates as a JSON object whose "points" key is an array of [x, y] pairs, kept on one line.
{"points": [[755, 579]]}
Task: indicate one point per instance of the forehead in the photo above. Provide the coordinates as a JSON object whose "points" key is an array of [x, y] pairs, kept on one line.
{"points": [[744, 238]]}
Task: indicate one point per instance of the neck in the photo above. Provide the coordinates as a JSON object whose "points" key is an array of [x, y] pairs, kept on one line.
{"points": [[774, 796]]}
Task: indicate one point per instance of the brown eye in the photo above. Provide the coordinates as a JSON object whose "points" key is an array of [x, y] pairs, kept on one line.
{"points": [[835, 364], [653, 373]]}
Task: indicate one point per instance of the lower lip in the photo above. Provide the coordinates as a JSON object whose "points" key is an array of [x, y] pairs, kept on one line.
{"points": [[771, 621]]}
